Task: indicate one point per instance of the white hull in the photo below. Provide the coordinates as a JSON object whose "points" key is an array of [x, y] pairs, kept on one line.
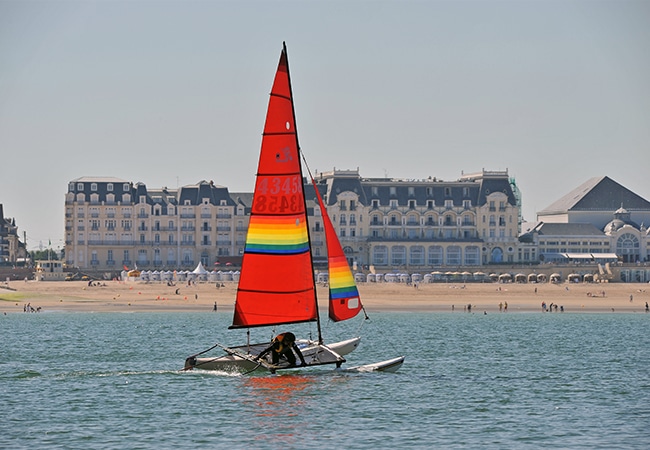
{"points": [[390, 365], [313, 353]]}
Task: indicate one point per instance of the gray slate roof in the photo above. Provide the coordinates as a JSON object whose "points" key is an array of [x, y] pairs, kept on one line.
{"points": [[567, 229], [598, 194]]}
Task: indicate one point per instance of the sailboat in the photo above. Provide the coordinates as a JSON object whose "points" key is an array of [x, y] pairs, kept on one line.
{"points": [[277, 281]]}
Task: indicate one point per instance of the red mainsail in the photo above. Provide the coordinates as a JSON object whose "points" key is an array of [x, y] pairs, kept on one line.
{"points": [[276, 285]]}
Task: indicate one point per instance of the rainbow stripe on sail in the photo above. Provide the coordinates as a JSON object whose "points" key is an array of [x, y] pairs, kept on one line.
{"points": [[342, 285], [283, 235]]}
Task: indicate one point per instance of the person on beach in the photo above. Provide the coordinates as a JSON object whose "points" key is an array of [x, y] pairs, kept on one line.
{"points": [[283, 344]]}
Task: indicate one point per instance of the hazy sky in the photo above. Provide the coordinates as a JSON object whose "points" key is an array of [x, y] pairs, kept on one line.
{"points": [[173, 92]]}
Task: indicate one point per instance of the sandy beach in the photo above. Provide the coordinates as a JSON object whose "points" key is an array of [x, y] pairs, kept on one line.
{"points": [[117, 296]]}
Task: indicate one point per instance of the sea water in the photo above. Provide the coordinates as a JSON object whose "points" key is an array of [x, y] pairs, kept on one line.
{"points": [[502, 380]]}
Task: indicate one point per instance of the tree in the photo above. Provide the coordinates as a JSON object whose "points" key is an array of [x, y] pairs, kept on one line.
{"points": [[43, 255]]}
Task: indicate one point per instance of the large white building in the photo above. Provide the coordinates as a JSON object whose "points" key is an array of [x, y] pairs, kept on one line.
{"points": [[390, 224], [386, 223], [599, 221]]}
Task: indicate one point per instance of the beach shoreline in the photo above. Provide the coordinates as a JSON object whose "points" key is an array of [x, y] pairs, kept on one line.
{"points": [[131, 296]]}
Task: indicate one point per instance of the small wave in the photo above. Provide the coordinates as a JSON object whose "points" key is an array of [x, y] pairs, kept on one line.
{"points": [[27, 374]]}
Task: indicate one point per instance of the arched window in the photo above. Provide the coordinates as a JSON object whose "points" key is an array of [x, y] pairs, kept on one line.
{"points": [[472, 255], [496, 255], [627, 246], [398, 255], [435, 255], [453, 255], [380, 255], [416, 255]]}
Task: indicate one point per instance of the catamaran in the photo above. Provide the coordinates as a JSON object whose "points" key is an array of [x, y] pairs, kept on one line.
{"points": [[277, 281]]}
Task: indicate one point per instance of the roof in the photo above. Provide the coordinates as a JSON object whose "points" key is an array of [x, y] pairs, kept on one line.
{"points": [[598, 194], [567, 229]]}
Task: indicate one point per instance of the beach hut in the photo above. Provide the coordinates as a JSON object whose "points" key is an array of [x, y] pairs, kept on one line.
{"points": [[404, 278], [574, 278], [556, 278], [427, 278], [235, 276], [359, 277], [541, 278], [505, 278], [370, 278], [322, 277], [416, 278], [532, 278], [588, 278], [520, 278], [494, 277]]}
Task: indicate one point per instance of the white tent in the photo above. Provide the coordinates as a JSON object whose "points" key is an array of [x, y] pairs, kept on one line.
{"points": [[200, 270]]}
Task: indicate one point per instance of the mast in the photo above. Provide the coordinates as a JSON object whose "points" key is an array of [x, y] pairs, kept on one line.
{"points": [[304, 197]]}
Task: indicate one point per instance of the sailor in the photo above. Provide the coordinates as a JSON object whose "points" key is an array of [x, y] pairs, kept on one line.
{"points": [[283, 344]]}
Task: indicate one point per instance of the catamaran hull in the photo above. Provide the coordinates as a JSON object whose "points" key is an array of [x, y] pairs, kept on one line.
{"points": [[390, 365], [313, 353]]}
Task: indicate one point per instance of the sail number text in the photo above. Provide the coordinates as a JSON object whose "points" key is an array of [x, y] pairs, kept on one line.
{"points": [[278, 194]]}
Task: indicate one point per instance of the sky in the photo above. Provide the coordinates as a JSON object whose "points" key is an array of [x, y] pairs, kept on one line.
{"points": [[170, 93]]}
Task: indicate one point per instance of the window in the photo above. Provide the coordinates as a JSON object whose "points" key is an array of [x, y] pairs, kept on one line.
{"points": [[472, 256], [125, 187], [398, 255], [453, 255], [109, 187], [93, 187], [417, 255], [380, 255], [435, 255], [80, 186]]}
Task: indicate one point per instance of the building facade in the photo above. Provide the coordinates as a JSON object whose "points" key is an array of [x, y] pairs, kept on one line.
{"points": [[423, 224], [600, 221], [112, 223], [12, 251]]}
